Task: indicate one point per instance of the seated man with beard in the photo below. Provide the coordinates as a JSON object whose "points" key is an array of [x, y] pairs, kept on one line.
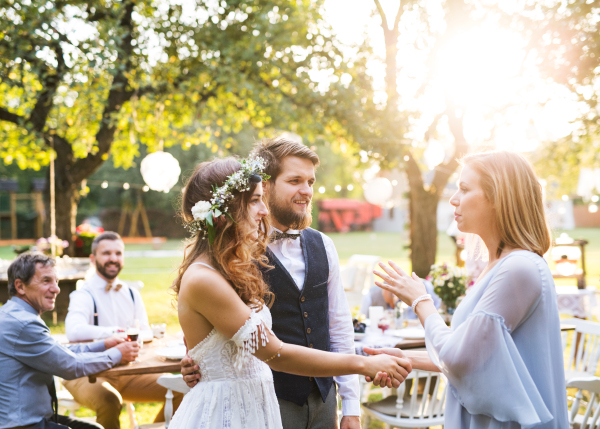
{"points": [[102, 307]]}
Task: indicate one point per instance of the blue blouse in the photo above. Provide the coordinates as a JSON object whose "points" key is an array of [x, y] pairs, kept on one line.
{"points": [[503, 355]]}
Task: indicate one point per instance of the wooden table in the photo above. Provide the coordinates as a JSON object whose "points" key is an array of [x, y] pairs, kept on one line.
{"points": [[149, 363], [153, 364]]}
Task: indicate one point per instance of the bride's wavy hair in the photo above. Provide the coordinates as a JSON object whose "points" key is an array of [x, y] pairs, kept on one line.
{"points": [[234, 252]]}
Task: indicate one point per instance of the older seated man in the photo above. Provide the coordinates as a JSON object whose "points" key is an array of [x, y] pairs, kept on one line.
{"points": [[102, 306], [29, 356]]}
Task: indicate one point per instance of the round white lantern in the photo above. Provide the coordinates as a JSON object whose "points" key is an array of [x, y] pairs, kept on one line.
{"points": [[378, 191], [160, 171]]}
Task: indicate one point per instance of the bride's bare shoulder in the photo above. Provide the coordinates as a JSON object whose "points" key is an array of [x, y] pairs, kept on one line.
{"points": [[201, 279]]}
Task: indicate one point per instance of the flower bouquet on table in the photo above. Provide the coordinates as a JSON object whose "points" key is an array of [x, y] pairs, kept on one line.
{"points": [[449, 283], [84, 236], [44, 245]]}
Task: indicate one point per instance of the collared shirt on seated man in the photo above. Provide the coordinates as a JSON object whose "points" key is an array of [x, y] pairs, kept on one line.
{"points": [[97, 311], [29, 356], [114, 305]]}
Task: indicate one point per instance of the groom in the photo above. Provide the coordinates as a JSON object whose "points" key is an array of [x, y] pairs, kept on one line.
{"points": [[310, 307]]}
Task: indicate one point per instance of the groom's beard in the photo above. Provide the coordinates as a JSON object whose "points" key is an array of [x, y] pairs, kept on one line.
{"points": [[284, 213]]}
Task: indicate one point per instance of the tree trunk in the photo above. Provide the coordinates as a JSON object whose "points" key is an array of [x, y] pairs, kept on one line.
{"points": [[66, 193], [66, 212], [423, 229]]}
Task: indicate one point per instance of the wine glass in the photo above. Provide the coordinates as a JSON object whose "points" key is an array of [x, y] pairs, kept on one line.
{"points": [[133, 333], [383, 324]]}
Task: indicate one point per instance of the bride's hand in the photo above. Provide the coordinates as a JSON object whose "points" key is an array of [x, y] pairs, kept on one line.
{"points": [[395, 368], [382, 379], [399, 283]]}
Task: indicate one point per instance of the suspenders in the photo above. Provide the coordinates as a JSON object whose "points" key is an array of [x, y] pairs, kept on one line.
{"points": [[96, 309]]}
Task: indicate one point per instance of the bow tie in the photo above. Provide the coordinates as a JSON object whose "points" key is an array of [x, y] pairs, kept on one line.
{"points": [[109, 285], [280, 235]]}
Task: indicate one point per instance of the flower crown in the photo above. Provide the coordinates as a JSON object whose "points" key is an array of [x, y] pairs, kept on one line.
{"points": [[209, 214]]}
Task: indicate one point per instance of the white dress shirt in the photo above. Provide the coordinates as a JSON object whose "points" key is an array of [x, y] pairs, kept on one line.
{"points": [[341, 331], [115, 309]]}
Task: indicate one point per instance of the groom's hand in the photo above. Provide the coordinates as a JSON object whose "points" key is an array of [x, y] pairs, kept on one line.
{"points": [[382, 379], [190, 371], [350, 422]]}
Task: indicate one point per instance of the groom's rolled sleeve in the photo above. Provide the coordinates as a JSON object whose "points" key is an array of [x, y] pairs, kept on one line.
{"points": [[341, 332]]}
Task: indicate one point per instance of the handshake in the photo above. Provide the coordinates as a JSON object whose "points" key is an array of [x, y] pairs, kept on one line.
{"points": [[191, 373]]}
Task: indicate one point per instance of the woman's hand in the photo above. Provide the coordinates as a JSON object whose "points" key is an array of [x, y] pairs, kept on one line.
{"points": [[396, 369], [395, 280]]}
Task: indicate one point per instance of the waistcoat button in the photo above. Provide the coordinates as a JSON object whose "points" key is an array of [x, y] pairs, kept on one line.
{"points": [[308, 331], [305, 314], [310, 345], [303, 299], [309, 378]]}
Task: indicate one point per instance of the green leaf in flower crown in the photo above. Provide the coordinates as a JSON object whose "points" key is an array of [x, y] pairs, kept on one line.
{"points": [[209, 219], [217, 212], [211, 234], [233, 220]]}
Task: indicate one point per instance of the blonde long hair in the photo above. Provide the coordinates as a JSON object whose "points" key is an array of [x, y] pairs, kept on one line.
{"points": [[510, 184], [234, 253]]}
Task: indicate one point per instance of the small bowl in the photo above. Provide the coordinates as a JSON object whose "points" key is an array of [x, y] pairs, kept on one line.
{"points": [[359, 336]]}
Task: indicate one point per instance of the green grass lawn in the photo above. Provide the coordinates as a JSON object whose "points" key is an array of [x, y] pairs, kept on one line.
{"points": [[158, 274]]}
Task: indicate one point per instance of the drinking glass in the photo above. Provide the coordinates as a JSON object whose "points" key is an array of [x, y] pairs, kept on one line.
{"points": [[133, 334], [383, 324]]}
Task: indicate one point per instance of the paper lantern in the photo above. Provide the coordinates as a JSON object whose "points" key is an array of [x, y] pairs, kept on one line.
{"points": [[378, 191], [160, 171]]}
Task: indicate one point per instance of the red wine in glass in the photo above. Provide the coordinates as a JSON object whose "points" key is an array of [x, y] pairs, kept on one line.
{"points": [[132, 334], [383, 325]]}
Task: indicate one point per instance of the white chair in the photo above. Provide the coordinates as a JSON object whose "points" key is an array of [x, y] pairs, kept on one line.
{"points": [[357, 277], [66, 401], [411, 409], [591, 417], [173, 383], [581, 360]]}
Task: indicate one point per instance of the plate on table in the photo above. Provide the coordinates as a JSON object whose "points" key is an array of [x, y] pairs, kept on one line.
{"points": [[359, 336], [147, 337], [412, 333], [172, 353]]}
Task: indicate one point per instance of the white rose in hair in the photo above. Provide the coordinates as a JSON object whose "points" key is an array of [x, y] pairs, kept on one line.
{"points": [[201, 210]]}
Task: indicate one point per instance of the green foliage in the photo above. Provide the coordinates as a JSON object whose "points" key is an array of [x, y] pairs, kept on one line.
{"points": [[566, 38], [187, 78], [93, 79]]}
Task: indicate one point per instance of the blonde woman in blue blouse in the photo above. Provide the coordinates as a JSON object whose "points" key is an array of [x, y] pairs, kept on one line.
{"points": [[503, 354]]}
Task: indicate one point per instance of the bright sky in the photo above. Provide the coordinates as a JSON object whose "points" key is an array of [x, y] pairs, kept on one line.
{"points": [[485, 71]]}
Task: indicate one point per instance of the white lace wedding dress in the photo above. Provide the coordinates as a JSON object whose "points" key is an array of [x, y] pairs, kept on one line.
{"points": [[236, 390]]}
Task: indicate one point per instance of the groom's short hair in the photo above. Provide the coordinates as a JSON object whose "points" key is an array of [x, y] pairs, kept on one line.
{"points": [[273, 151]]}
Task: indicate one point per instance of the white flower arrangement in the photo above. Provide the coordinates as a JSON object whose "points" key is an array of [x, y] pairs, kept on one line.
{"points": [[206, 212], [449, 283], [201, 210]]}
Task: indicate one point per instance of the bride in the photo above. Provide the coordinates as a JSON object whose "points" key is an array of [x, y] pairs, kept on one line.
{"points": [[223, 306]]}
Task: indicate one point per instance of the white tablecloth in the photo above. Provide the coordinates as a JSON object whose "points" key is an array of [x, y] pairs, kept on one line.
{"points": [[376, 340], [576, 302]]}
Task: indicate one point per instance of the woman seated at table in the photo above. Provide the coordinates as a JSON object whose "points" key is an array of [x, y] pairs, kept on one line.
{"points": [[503, 355]]}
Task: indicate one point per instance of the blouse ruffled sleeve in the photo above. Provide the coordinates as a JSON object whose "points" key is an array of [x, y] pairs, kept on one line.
{"points": [[249, 336], [485, 369]]}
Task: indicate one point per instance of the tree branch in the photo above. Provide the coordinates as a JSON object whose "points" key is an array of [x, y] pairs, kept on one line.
{"points": [[384, 23], [44, 103], [398, 17], [120, 92], [5, 115], [444, 171]]}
